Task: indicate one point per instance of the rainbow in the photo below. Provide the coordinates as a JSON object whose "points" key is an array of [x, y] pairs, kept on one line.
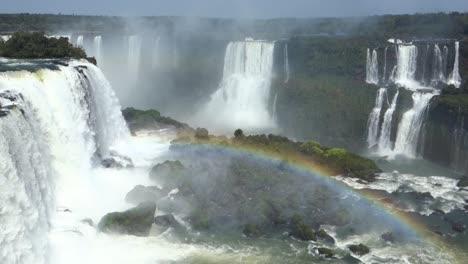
{"points": [[410, 222]]}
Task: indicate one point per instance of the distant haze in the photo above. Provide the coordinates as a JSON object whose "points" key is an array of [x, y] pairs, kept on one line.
{"points": [[234, 8]]}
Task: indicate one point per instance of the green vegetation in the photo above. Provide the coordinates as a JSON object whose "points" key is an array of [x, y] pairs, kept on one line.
{"points": [[24, 45], [148, 119]]}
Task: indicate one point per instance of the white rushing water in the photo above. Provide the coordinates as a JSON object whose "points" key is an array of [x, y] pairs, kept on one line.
{"points": [[67, 117], [410, 125], [438, 72], [455, 77], [385, 144], [407, 58], [374, 118], [372, 67], [242, 99]]}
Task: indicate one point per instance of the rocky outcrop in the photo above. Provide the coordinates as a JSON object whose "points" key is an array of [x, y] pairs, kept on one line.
{"points": [[136, 221], [141, 194], [360, 249]]}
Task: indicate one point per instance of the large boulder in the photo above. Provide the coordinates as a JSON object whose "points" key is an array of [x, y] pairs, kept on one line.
{"points": [[167, 221], [168, 173], [141, 194], [136, 221], [360, 249]]}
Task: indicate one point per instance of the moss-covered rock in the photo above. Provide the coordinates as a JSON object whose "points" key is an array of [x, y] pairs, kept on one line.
{"points": [[150, 119], [360, 249], [323, 235], [301, 230], [326, 252], [136, 221]]}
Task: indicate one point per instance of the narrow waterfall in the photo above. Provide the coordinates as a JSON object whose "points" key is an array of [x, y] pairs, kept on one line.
{"points": [[410, 125], [372, 67], [385, 143], [455, 77], [287, 71], [53, 125], [424, 69], [80, 41], [374, 118], [445, 53], [242, 99], [437, 71], [406, 66], [384, 74], [133, 57], [156, 56], [98, 48]]}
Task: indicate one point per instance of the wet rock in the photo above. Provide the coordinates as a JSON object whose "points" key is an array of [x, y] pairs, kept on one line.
{"points": [[252, 231], [326, 252], [458, 227], [321, 234], [301, 230], [136, 221], [88, 221], [117, 160], [141, 194], [463, 182], [167, 220], [360, 249], [201, 133], [388, 237], [351, 260], [169, 174]]}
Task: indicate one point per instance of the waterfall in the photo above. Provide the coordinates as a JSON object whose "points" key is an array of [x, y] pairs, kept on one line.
{"points": [[133, 58], [385, 143], [407, 56], [286, 64], [80, 41], [98, 48], [455, 77], [384, 75], [437, 72], [242, 99], [410, 125], [155, 60], [54, 124], [372, 68], [374, 118], [445, 53], [426, 54]]}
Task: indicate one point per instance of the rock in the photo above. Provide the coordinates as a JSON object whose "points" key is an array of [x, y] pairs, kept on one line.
{"points": [[326, 252], [388, 237], [458, 227], [117, 160], [360, 249], [141, 194], [167, 220], [201, 133], [325, 236], [301, 230], [136, 221], [252, 231], [169, 174], [463, 182], [350, 259], [88, 221], [92, 60]]}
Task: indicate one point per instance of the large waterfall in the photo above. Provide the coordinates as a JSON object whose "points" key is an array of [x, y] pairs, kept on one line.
{"points": [[385, 143], [407, 59], [55, 124], [242, 99]]}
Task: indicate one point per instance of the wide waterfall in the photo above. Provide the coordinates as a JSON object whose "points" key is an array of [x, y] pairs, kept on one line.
{"points": [[385, 143], [407, 60], [242, 99], [55, 124], [455, 77], [372, 69], [410, 125], [374, 118]]}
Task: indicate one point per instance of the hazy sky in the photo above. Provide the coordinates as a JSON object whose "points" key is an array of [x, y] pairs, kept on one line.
{"points": [[233, 8]]}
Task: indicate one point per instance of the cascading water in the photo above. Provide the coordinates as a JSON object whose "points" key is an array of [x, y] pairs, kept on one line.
{"points": [[133, 58], [445, 53], [410, 125], [407, 56], [286, 64], [155, 52], [242, 100], [80, 41], [98, 48], [65, 119], [384, 74], [385, 143], [455, 77], [372, 68], [374, 118], [437, 73]]}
